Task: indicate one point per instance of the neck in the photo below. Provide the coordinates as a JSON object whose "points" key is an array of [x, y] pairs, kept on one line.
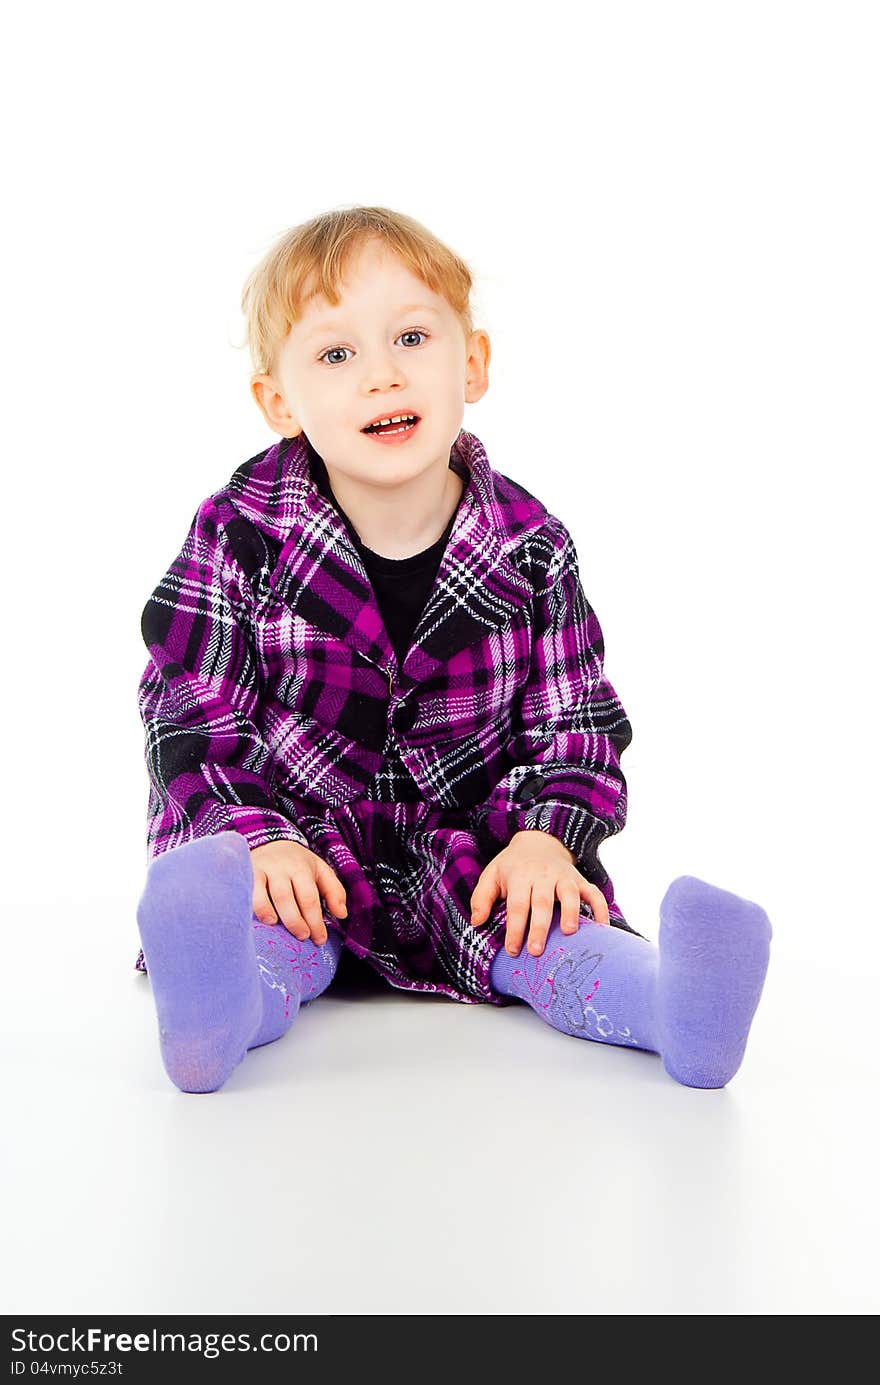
{"points": [[398, 521]]}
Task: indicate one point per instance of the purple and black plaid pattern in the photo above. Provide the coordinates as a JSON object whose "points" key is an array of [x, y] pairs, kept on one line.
{"points": [[274, 706]]}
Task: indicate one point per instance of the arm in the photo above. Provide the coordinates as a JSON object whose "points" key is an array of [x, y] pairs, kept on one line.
{"points": [[568, 734], [197, 698]]}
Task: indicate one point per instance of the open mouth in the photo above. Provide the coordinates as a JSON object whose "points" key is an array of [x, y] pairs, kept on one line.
{"points": [[394, 427]]}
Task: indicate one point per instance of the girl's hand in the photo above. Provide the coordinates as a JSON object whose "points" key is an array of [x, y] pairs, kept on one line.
{"points": [[293, 878], [532, 871]]}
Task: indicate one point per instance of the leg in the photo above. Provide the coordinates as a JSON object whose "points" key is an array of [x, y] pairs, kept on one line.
{"points": [[292, 973], [691, 999], [222, 982]]}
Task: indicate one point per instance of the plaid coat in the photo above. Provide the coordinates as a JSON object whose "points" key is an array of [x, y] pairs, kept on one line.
{"points": [[274, 706]]}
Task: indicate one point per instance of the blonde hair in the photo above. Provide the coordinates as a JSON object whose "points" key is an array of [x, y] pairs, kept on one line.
{"points": [[312, 258]]}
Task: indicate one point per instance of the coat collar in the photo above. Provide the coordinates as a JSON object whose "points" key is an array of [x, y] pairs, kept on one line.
{"points": [[320, 576]]}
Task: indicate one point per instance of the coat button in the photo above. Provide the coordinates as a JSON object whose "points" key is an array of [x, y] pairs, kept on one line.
{"points": [[405, 716], [529, 789]]}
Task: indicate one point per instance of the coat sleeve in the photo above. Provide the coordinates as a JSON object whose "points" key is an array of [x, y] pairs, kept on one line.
{"points": [[568, 734], [198, 699]]}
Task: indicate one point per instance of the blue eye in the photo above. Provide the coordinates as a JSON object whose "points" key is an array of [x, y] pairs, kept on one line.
{"points": [[411, 332], [414, 332]]}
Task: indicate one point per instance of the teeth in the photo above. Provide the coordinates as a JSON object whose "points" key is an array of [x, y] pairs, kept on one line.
{"points": [[398, 418]]}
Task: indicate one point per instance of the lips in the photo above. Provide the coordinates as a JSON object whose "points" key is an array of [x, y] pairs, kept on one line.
{"points": [[396, 414], [394, 435]]}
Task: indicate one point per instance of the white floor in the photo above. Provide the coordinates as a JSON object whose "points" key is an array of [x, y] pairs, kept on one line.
{"points": [[405, 1154]]}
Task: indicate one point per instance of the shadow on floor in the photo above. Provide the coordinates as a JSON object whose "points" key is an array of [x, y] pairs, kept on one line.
{"points": [[355, 980]]}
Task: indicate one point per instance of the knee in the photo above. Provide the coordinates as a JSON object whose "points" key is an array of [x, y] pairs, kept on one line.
{"points": [[296, 964]]}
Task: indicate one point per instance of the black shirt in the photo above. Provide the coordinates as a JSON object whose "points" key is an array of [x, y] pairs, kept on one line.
{"points": [[401, 585]]}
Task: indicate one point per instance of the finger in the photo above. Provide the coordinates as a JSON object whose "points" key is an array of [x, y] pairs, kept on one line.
{"points": [[485, 893], [518, 900], [543, 900], [597, 902], [281, 889], [569, 907], [309, 902], [262, 905], [332, 889], [484, 896]]}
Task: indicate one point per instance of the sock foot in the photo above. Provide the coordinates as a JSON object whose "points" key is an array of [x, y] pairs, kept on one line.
{"points": [[195, 921], [714, 952]]}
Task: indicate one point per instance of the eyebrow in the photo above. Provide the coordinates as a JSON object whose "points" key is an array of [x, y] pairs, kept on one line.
{"points": [[323, 327]]}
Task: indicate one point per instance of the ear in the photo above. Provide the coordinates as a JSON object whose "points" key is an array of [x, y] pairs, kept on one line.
{"points": [[273, 406], [479, 351]]}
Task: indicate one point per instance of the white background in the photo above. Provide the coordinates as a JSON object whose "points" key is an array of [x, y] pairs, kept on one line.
{"points": [[671, 212]]}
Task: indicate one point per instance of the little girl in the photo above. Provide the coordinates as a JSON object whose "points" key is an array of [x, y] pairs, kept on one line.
{"points": [[375, 709]]}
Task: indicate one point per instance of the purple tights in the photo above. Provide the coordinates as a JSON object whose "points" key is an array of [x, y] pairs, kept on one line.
{"points": [[222, 981], [691, 998]]}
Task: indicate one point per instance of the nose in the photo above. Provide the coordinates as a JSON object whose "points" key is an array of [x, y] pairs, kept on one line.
{"points": [[382, 372]]}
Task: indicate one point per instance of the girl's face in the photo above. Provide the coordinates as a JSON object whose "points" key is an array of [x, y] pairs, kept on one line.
{"points": [[392, 346]]}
